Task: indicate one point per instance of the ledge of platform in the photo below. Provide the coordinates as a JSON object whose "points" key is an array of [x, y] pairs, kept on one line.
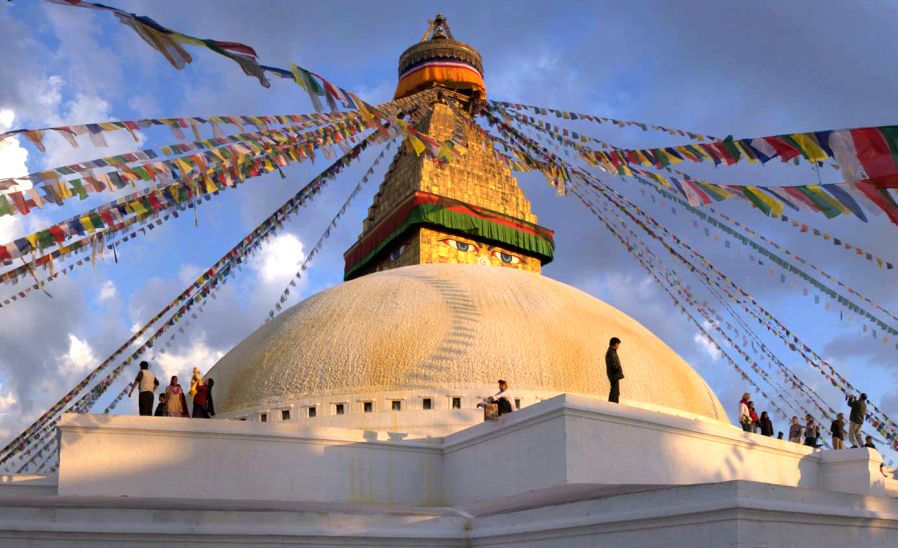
{"points": [[569, 439]]}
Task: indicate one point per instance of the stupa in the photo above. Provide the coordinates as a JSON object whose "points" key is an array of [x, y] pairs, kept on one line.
{"points": [[354, 414], [445, 297]]}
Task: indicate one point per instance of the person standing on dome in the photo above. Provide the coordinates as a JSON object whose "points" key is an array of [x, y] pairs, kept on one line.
{"points": [[146, 384], [614, 370]]}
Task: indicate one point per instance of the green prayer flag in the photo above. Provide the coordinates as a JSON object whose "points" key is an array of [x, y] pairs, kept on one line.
{"points": [[78, 188]]}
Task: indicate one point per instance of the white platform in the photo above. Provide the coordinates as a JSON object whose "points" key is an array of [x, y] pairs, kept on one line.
{"points": [[570, 471]]}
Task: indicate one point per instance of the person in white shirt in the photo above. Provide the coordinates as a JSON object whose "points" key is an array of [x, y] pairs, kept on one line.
{"points": [[502, 399], [146, 383], [744, 413]]}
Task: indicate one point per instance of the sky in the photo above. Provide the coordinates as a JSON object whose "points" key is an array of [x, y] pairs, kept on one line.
{"points": [[741, 69]]}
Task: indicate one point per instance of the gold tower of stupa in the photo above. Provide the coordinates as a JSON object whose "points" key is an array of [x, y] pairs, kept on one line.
{"points": [[467, 211]]}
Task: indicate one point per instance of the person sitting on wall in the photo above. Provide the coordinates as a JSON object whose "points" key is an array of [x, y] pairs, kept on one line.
{"points": [[882, 468], [502, 399], [160, 407]]}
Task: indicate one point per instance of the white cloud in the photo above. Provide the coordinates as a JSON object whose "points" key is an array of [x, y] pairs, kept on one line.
{"points": [[189, 273], [707, 345], [10, 228], [86, 108], [13, 156], [198, 354], [108, 291], [280, 259], [7, 400], [79, 357], [377, 93]]}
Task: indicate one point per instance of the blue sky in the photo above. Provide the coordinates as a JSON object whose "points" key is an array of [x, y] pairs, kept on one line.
{"points": [[724, 69]]}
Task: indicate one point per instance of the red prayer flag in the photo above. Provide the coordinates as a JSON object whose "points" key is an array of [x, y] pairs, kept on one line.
{"points": [[784, 150], [57, 233], [880, 197], [21, 203], [873, 152]]}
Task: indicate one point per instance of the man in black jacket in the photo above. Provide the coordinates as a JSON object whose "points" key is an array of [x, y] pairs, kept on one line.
{"points": [[613, 369]]}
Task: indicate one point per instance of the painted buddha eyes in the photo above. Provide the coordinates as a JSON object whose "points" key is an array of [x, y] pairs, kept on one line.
{"points": [[501, 256], [397, 252], [461, 246], [506, 258]]}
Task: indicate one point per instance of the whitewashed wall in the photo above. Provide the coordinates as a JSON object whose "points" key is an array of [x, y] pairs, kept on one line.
{"points": [[565, 440]]}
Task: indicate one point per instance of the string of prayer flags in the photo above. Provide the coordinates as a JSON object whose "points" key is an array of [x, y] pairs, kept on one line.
{"points": [[130, 170], [746, 235], [177, 125], [568, 115], [858, 197], [142, 166], [868, 153], [170, 43], [222, 173]]}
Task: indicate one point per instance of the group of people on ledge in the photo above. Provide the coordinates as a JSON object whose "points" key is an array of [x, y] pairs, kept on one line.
{"points": [[173, 401], [809, 433]]}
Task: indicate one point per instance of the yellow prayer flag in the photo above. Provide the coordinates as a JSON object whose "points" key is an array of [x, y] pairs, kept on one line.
{"points": [[63, 190], [810, 146], [138, 208], [776, 208], [747, 154], [670, 157], [703, 152], [417, 144], [661, 179], [184, 166]]}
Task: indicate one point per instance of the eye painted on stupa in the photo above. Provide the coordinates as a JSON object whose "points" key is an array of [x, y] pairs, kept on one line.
{"points": [[506, 258], [396, 253], [461, 246]]}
